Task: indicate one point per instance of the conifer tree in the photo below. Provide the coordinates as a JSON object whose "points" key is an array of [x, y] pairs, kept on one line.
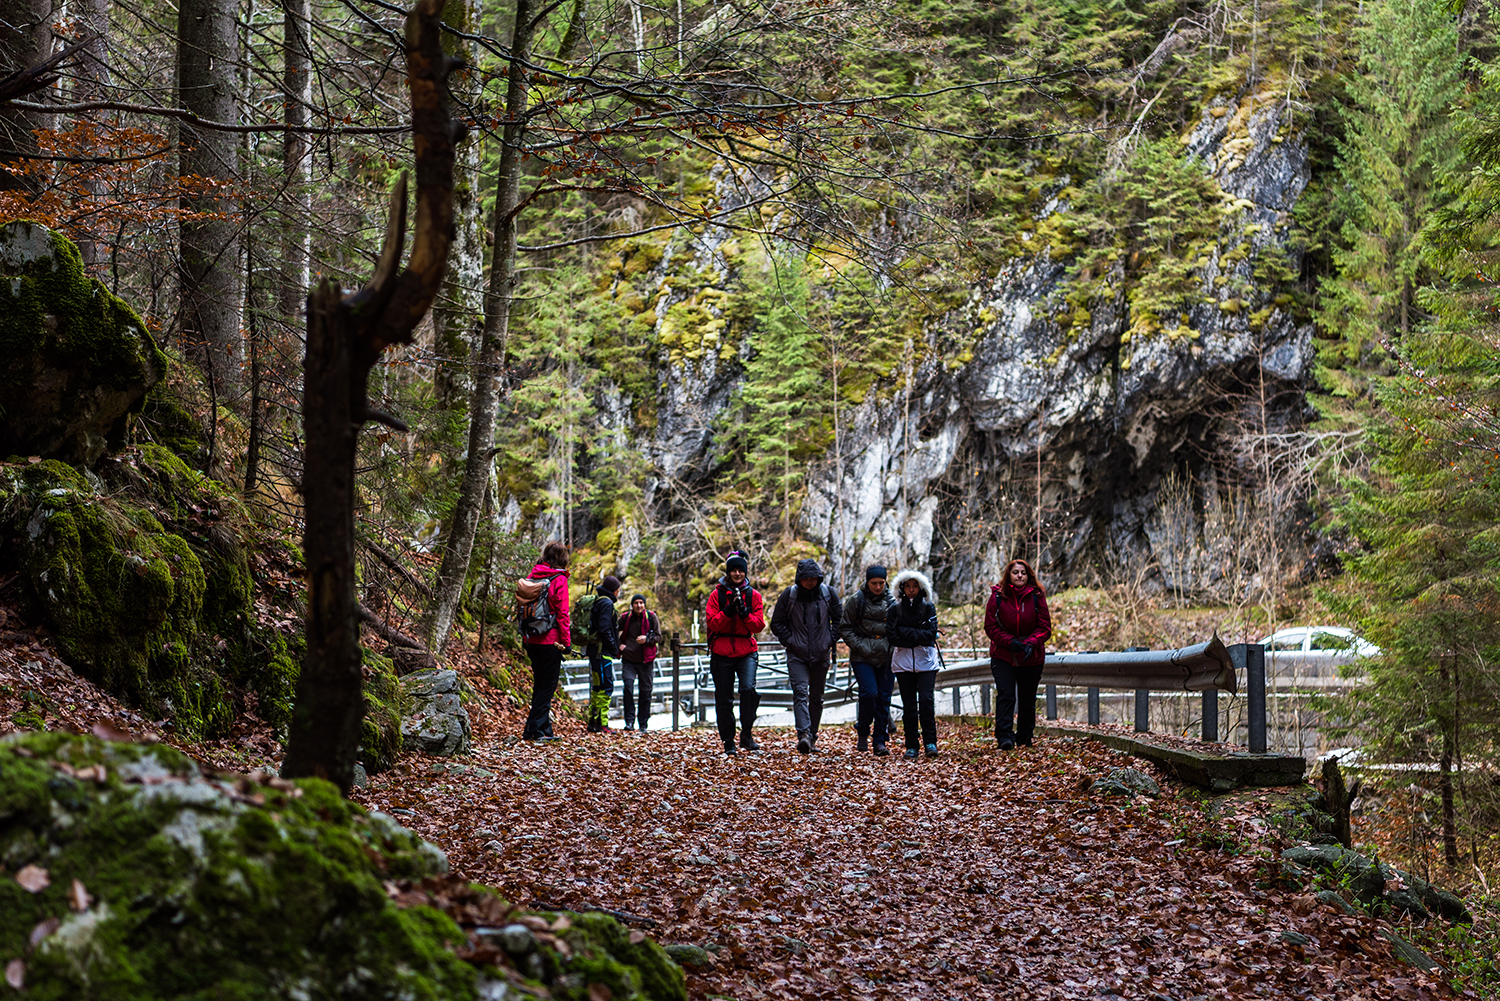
{"points": [[1426, 589]]}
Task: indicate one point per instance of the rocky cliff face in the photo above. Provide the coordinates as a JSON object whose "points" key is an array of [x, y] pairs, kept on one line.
{"points": [[949, 479], [1147, 453]]}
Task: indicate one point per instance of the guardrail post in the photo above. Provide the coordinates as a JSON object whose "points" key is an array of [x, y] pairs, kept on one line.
{"points": [[1255, 695], [1211, 714], [676, 678], [1052, 702], [1142, 710], [1093, 707], [957, 707], [984, 699]]}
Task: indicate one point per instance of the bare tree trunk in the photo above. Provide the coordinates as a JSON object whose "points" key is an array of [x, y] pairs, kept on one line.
{"points": [[92, 84], [296, 158], [345, 337], [1445, 778], [25, 40], [208, 47], [499, 297]]}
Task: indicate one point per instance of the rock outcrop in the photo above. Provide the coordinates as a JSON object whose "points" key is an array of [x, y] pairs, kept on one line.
{"points": [[436, 721], [78, 360], [128, 874]]}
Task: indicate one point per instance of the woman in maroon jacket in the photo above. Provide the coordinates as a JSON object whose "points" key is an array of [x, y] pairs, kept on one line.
{"points": [[1017, 622]]}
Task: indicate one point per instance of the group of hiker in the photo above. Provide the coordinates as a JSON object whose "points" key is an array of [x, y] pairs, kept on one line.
{"points": [[892, 634]]}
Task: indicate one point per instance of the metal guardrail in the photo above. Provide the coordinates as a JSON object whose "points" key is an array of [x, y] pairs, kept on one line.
{"points": [[1208, 668]]}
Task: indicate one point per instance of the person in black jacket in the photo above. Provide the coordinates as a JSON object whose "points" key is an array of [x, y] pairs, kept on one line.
{"points": [[806, 621], [911, 627], [870, 657], [601, 654]]}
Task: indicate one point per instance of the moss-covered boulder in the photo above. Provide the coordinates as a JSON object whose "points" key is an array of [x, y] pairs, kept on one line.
{"points": [[78, 360], [126, 874], [159, 614]]}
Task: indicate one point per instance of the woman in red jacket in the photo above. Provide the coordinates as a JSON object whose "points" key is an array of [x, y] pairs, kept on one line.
{"points": [[546, 651], [1017, 622]]}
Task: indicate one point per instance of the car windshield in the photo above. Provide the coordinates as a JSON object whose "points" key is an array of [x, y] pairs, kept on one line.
{"points": [[1284, 644], [1332, 641]]}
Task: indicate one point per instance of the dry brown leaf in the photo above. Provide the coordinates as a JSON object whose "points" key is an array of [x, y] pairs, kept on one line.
{"points": [[78, 897], [42, 930], [15, 974], [33, 879]]}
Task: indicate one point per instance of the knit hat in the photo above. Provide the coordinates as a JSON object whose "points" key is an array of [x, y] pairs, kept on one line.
{"points": [[736, 561], [610, 584], [875, 571], [639, 597]]}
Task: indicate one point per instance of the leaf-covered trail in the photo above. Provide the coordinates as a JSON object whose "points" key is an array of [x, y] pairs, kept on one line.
{"points": [[847, 876]]}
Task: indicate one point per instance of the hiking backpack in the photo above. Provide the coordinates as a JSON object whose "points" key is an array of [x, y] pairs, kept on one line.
{"points": [[583, 630], [535, 615]]}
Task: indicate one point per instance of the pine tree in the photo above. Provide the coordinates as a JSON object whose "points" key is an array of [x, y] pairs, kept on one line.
{"points": [[1426, 589]]}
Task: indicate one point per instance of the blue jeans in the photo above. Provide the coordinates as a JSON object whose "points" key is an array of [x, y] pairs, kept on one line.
{"points": [[875, 684]]}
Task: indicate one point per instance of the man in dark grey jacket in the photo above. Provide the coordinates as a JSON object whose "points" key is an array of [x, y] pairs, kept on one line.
{"points": [[806, 621], [870, 656]]}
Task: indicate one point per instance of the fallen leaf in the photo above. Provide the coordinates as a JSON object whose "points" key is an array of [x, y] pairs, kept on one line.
{"points": [[42, 930], [33, 879], [78, 897], [15, 974]]}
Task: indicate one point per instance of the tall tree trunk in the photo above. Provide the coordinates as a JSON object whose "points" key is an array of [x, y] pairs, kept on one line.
{"points": [[499, 297], [92, 84], [296, 160], [345, 337], [208, 49], [25, 40]]}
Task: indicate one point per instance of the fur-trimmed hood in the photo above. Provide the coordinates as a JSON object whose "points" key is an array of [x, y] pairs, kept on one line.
{"points": [[901, 578]]}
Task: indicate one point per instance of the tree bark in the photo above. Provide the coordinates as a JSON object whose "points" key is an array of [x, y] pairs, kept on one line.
{"points": [[25, 40], [208, 47], [92, 84], [296, 158], [499, 298], [345, 337]]}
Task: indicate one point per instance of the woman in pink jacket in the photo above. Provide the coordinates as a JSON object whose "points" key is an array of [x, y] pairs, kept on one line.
{"points": [[1018, 624], [546, 651]]}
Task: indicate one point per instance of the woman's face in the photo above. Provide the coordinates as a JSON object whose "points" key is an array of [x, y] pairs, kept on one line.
{"points": [[910, 588], [1018, 576], [876, 586]]}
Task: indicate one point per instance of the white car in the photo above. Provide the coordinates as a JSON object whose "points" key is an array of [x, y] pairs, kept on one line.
{"points": [[1309, 652]]}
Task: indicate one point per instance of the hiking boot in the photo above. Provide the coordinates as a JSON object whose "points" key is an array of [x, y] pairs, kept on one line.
{"points": [[804, 745], [747, 741], [911, 754], [881, 751], [1007, 743], [730, 749], [932, 750], [863, 744]]}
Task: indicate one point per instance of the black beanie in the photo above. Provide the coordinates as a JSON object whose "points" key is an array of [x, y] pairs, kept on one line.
{"points": [[737, 561], [639, 597], [610, 584], [875, 571]]}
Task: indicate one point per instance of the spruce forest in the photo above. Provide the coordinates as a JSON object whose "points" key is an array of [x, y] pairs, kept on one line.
{"points": [[322, 318]]}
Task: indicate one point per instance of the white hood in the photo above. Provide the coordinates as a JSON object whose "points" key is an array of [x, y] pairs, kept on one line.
{"points": [[920, 578]]}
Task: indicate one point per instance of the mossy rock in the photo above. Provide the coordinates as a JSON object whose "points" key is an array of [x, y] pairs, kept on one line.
{"points": [[380, 734], [164, 884], [78, 360], [160, 615]]}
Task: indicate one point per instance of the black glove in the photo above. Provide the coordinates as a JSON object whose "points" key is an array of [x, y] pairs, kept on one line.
{"points": [[1026, 652], [1016, 647]]}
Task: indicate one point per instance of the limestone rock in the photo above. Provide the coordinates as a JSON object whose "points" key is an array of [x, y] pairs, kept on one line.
{"points": [[437, 722], [1373, 884], [1127, 782], [249, 888], [78, 360]]}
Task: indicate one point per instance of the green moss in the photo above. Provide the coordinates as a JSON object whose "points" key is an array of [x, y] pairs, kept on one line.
{"points": [[209, 889], [380, 733], [604, 954]]}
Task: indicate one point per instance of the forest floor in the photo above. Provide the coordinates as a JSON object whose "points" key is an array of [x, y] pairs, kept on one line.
{"points": [[843, 875]]}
